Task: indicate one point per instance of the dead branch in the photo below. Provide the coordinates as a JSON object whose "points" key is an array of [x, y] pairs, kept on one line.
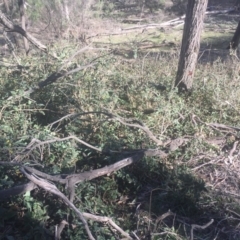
{"points": [[195, 226], [53, 78], [124, 121], [231, 211], [174, 144], [54, 190], [214, 161], [35, 143], [17, 190], [174, 22], [222, 126], [72, 179], [68, 61], [163, 216], [216, 126], [233, 149], [59, 228], [138, 125], [80, 177], [106, 220], [165, 233], [15, 28]]}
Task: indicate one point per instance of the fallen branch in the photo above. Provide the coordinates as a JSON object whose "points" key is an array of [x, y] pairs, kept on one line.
{"points": [[72, 179], [54, 190], [174, 22], [17, 190]]}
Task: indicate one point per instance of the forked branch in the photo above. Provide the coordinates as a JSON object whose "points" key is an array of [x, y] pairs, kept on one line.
{"points": [[54, 190], [15, 28]]}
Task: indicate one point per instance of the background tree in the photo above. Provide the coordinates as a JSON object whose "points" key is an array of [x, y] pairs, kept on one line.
{"points": [[23, 21], [236, 38], [190, 44]]}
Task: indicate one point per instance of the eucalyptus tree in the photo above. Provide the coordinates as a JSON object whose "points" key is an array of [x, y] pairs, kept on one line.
{"points": [[190, 44]]}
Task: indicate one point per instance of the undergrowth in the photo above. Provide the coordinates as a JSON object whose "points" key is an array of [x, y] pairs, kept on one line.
{"points": [[137, 196]]}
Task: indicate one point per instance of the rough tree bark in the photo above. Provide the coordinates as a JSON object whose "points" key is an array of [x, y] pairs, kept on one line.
{"points": [[23, 20], [6, 4], [236, 38], [190, 44]]}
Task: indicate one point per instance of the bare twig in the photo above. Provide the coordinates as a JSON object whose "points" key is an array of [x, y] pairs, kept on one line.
{"points": [[165, 233], [66, 62], [163, 216], [35, 143], [106, 220], [59, 228], [138, 125], [124, 121], [195, 226], [238, 215], [233, 149], [216, 126], [214, 161]]}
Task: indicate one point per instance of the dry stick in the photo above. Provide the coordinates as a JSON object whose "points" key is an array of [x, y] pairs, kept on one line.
{"points": [[59, 228], [233, 149], [142, 127], [54, 190], [77, 140], [106, 220], [72, 179], [77, 178], [163, 216], [195, 226], [55, 178], [17, 190], [72, 116], [238, 215], [35, 143], [164, 233], [15, 28], [215, 126], [148, 152], [121, 120], [214, 161], [66, 62]]}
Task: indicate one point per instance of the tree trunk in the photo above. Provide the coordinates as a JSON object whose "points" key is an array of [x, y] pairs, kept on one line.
{"points": [[190, 44], [23, 20], [6, 4], [236, 38], [66, 10]]}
